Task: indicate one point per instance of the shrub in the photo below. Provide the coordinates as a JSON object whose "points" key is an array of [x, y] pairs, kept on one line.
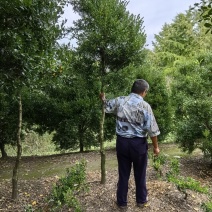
{"points": [[68, 187], [158, 162], [183, 183]]}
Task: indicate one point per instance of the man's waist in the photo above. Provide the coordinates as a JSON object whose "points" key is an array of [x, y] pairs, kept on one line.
{"points": [[130, 136], [135, 138]]}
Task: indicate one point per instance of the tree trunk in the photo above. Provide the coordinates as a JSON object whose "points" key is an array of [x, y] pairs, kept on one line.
{"points": [[18, 157], [80, 134], [102, 148], [3, 152], [101, 133], [81, 145]]}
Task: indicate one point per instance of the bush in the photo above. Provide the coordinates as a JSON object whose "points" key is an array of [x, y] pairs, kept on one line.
{"points": [[68, 187], [173, 175], [183, 183], [191, 98], [158, 162]]}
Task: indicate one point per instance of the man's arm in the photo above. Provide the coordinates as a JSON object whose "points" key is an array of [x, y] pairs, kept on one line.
{"points": [[102, 96], [156, 149], [109, 105]]}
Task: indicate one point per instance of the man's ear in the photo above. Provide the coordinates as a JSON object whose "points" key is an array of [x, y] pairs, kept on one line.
{"points": [[143, 94]]}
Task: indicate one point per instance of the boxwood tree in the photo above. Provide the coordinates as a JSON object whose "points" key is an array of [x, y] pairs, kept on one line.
{"points": [[184, 52], [109, 38], [28, 32]]}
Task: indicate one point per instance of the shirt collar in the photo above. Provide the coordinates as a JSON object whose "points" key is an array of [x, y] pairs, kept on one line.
{"points": [[136, 96]]}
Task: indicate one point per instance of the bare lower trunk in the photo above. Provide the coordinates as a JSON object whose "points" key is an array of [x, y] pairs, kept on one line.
{"points": [[102, 148], [18, 157], [101, 134], [80, 134], [3, 152], [81, 144]]}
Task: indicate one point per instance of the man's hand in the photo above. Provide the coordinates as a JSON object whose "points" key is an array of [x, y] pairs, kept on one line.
{"points": [[156, 151], [102, 96]]}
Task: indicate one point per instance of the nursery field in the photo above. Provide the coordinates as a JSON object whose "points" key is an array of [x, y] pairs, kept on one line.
{"points": [[38, 175]]}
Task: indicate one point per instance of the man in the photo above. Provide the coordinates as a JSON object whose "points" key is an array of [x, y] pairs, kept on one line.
{"points": [[134, 122]]}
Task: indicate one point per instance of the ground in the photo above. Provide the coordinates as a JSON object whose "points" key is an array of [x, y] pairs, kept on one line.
{"points": [[38, 174]]}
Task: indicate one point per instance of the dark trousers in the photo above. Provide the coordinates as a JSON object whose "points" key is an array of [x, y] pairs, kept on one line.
{"points": [[131, 151]]}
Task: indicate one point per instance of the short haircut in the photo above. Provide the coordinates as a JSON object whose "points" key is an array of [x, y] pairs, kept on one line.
{"points": [[139, 86]]}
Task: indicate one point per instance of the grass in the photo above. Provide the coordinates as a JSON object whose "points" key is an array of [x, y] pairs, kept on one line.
{"points": [[42, 145], [48, 168], [173, 151], [36, 145]]}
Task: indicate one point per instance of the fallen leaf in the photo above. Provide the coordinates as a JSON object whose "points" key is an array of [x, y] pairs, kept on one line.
{"points": [[34, 203]]}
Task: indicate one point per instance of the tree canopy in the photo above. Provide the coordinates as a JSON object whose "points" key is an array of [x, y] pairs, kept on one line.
{"points": [[183, 51]]}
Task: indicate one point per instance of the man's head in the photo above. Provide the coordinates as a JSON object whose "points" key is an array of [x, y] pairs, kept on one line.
{"points": [[140, 87]]}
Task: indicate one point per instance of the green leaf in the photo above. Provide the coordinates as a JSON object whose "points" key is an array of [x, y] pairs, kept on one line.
{"points": [[208, 25]]}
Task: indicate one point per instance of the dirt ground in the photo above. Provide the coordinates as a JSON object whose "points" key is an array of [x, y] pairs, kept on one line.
{"points": [[163, 196]]}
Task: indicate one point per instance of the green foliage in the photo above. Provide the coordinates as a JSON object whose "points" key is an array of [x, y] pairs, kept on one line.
{"points": [[187, 183], [183, 183], [205, 8], [174, 168], [28, 34], [206, 146], [191, 94], [34, 145], [176, 40], [29, 31], [207, 207], [158, 95], [106, 30], [66, 189], [8, 119], [109, 40], [173, 175], [158, 162], [183, 51]]}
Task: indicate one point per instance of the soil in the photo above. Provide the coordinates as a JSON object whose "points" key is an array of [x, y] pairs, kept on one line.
{"points": [[163, 196]]}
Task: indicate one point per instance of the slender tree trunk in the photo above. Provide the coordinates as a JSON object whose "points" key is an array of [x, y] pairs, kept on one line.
{"points": [[102, 148], [81, 145], [18, 157], [3, 152], [101, 133], [81, 142], [80, 134]]}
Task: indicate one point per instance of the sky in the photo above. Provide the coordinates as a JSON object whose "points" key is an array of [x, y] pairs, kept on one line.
{"points": [[155, 14]]}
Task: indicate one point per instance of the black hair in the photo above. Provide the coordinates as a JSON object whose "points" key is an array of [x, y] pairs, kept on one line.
{"points": [[139, 86]]}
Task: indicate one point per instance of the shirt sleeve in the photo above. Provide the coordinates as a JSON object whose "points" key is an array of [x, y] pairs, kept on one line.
{"points": [[111, 105], [152, 126]]}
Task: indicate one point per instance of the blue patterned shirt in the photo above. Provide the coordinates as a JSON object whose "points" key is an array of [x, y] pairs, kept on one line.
{"points": [[134, 116]]}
